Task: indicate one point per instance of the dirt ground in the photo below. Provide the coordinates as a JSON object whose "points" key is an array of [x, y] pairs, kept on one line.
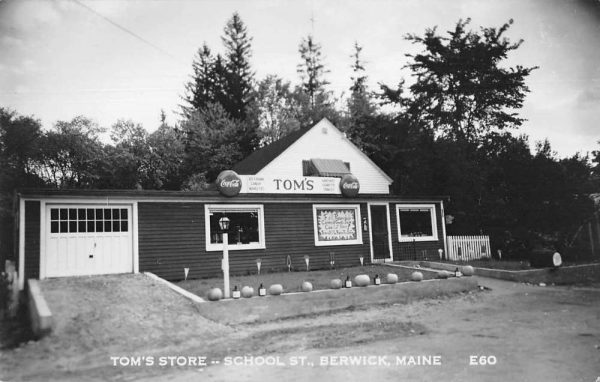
{"points": [[531, 333]]}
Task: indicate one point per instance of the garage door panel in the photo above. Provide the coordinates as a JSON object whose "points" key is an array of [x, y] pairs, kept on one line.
{"points": [[109, 256], [88, 240], [52, 249], [74, 261]]}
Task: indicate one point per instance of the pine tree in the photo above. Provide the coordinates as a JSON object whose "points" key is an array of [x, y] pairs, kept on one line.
{"points": [[201, 88], [359, 79], [360, 106], [312, 70], [225, 83], [239, 77]]}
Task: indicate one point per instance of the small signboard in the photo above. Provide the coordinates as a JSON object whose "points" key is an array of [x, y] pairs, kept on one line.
{"points": [[252, 184]]}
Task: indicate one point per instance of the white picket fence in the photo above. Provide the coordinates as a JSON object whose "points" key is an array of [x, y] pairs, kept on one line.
{"points": [[464, 248]]}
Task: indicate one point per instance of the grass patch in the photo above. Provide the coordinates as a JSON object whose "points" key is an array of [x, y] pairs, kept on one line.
{"points": [[292, 281]]}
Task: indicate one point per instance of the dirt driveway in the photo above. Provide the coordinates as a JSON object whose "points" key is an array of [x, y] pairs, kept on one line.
{"points": [[531, 333]]}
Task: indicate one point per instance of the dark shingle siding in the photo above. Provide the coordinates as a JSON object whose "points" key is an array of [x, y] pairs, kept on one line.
{"points": [[32, 240], [172, 237]]}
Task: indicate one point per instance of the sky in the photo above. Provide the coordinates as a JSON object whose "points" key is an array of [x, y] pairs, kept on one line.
{"points": [[129, 59]]}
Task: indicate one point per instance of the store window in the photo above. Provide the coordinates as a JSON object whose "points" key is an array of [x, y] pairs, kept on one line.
{"points": [[416, 222], [337, 224], [87, 220], [246, 227]]}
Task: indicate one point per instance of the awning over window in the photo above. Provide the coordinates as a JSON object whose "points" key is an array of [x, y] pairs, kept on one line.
{"points": [[329, 167]]}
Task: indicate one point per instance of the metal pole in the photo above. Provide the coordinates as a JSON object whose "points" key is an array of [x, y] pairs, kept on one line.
{"points": [[225, 264]]}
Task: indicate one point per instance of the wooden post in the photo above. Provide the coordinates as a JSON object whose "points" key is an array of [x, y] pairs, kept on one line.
{"points": [[597, 218], [591, 239], [225, 265]]}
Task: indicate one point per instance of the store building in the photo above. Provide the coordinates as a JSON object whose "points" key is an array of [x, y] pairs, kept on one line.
{"points": [[311, 193]]}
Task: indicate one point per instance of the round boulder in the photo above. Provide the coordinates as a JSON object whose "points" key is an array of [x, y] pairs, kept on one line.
{"points": [[276, 289], [215, 294], [468, 270], [335, 284], [416, 276], [362, 280], [391, 278], [443, 274], [307, 286], [247, 291]]}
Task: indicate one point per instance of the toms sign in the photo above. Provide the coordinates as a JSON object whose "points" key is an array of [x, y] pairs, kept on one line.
{"points": [[252, 184]]}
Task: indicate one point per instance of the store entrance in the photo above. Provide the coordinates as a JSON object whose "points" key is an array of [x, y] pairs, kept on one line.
{"points": [[380, 232]]}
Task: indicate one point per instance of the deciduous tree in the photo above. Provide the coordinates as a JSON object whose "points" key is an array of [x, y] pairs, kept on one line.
{"points": [[463, 88], [210, 142], [277, 109], [71, 154]]}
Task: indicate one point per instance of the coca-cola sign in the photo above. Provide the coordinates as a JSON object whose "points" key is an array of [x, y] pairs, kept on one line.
{"points": [[349, 185], [229, 183]]}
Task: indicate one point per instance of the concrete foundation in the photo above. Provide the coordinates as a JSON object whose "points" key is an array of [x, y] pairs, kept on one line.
{"points": [[561, 275], [39, 313]]}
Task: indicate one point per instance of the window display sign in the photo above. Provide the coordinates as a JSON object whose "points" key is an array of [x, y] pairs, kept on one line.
{"points": [[337, 225]]}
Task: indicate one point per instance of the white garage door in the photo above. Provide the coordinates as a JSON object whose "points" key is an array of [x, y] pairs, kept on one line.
{"points": [[88, 240]]}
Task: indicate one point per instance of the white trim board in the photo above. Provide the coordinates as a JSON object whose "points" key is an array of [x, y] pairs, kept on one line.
{"points": [[235, 247], [21, 244], [434, 233]]}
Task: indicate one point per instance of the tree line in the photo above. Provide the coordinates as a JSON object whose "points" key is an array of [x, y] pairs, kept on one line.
{"points": [[453, 132]]}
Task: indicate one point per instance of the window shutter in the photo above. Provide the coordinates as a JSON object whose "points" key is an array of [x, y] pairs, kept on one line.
{"points": [[306, 168]]}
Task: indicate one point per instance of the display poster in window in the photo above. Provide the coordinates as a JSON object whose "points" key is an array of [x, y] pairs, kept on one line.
{"points": [[336, 224]]}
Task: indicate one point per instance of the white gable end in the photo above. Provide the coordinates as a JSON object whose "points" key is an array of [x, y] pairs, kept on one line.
{"points": [[325, 141]]}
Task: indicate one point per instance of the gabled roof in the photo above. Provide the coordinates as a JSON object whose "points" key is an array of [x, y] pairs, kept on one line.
{"points": [[263, 156]]}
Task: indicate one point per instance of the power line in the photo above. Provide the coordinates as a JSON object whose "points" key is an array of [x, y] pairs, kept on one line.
{"points": [[129, 32]]}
